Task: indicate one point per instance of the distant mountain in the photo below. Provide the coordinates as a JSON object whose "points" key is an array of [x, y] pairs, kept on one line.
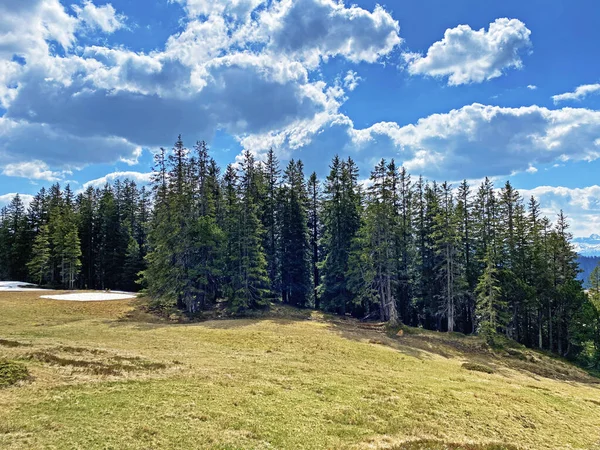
{"points": [[588, 246], [587, 264]]}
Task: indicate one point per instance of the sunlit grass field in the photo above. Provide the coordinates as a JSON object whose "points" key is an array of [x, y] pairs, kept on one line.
{"points": [[105, 375]]}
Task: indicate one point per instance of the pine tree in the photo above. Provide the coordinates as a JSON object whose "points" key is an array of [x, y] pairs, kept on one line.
{"points": [[315, 231], [490, 307], [18, 240], [373, 271], [270, 220], [71, 254], [341, 220], [246, 263], [87, 205], [159, 273], [5, 247], [295, 251], [449, 269], [405, 246], [39, 265], [466, 254]]}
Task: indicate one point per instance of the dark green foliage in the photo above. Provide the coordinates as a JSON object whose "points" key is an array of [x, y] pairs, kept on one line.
{"points": [[12, 372], [295, 253], [315, 230], [341, 222]]}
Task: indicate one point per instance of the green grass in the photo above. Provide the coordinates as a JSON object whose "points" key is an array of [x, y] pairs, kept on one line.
{"points": [[109, 375]]}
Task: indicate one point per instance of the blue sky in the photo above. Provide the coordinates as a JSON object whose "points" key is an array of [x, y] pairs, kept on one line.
{"points": [[452, 90]]}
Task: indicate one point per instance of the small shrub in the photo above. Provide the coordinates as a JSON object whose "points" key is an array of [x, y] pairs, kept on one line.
{"points": [[478, 367], [12, 372]]}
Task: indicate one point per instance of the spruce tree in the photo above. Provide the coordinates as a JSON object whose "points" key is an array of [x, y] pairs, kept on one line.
{"points": [[491, 313], [270, 220], [315, 231], [39, 265], [247, 266], [296, 288], [341, 220]]}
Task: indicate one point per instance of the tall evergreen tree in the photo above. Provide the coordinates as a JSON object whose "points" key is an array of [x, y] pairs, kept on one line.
{"points": [[295, 250], [39, 265], [341, 220], [315, 231]]}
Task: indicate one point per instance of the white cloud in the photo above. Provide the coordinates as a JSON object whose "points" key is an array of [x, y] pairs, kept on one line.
{"points": [[467, 56], [5, 199], [315, 30], [226, 70], [139, 177], [104, 18], [581, 205], [471, 142], [478, 140], [531, 169], [134, 159], [351, 80], [26, 26], [33, 170], [580, 93], [532, 87]]}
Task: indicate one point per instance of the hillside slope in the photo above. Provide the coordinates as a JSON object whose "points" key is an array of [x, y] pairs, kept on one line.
{"points": [[104, 375]]}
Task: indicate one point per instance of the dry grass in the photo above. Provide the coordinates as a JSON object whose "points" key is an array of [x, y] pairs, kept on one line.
{"points": [[288, 379]]}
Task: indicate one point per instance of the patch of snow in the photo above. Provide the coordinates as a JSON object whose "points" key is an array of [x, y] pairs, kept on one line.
{"points": [[90, 297], [18, 286]]}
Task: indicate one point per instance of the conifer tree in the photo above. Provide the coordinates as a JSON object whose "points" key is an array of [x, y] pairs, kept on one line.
{"points": [[39, 265], [18, 239], [270, 220], [374, 246], [315, 231], [466, 254], [490, 306], [341, 220], [71, 253], [295, 251], [449, 269], [247, 265]]}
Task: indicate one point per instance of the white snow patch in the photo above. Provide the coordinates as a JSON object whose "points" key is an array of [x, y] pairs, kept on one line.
{"points": [[18, 286], [90, 297]]}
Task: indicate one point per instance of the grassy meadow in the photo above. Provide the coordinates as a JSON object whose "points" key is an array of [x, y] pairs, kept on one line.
{"points": [[106, 375]]}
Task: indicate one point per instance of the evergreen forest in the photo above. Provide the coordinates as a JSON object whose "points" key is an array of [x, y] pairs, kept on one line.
{"points": [[393, 248]]}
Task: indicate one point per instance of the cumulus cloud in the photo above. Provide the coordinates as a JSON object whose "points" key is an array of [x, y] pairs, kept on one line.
{"points": [[104, 18], [140, 178], [319, 29], [580, 93], [226, 70], [26, 27], [531, 87], [33, 170], [581, 205], [5, 199], [471, 142], [467, 56], [244, 93], [478, 140]]}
